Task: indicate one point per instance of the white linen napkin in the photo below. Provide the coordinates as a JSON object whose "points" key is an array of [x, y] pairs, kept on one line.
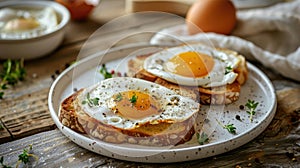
{"points": [[269, 35]]}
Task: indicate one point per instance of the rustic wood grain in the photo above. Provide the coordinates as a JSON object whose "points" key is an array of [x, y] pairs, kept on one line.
{"points": [[277, 146], [4, 133], [26, 115], [287, 114]]}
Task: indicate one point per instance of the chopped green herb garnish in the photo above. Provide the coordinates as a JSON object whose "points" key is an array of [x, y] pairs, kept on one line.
{"points": [[1, 127], [133, 99], [11, 74], [202, 138], [119, 97], [251, 105], [229, 127], [94, 101], [91, 101], [228, 69], [104, 72]]}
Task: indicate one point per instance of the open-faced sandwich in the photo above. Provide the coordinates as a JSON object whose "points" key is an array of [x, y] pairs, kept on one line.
{"points": [[159, 103], [130, 110], [208, 75]]}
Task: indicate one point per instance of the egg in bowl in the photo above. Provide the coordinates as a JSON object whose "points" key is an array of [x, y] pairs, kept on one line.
{"points": [[31, 29], [20, 23]]}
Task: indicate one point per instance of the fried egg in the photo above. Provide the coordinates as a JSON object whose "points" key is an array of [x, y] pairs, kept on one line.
{"points": [[128, 103], [25, 23], [193, 65]]}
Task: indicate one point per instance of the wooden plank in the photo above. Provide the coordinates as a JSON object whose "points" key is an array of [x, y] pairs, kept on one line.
{"points": [[26, 115], [171, 6], [4, 133], [270, 149]]}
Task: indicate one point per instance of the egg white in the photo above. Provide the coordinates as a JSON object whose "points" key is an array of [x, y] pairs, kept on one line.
{"points": [[46, 18], [155, 63], [180, 111]]}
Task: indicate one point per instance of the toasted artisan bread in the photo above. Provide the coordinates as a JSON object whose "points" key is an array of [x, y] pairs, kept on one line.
{"points": [[214, 95], [151, 134]]}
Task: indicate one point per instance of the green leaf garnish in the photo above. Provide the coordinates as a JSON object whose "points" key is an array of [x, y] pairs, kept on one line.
{"points": [[91, 101], [251, 105], [133, 99], [11, 74], [95, 101], [228, 69], [22, 158], [104, 72], [229, 127], [119, 97], [202, 138]]}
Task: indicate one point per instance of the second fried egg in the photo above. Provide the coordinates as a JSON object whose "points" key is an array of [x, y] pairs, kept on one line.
{"points": [[193, 65]]}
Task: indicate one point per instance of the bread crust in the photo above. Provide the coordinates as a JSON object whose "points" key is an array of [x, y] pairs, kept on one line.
{"points": [[215, 95], [160, 134]]}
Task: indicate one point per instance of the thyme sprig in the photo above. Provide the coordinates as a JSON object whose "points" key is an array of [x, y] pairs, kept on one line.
{"points": [[11, 74], [202, 138], [251, 105], [229, 127], [91, 101], [105, 73], [22, 158]]}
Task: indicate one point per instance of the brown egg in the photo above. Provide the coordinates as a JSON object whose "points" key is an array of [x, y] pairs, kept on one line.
{"points": [[217, 16]]}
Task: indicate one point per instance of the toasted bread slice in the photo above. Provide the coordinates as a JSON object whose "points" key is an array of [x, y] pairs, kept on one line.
{"points": [[214, 95], [159, 134]]}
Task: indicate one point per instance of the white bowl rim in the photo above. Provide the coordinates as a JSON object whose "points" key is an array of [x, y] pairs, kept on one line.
{"points": [[60, 9]]}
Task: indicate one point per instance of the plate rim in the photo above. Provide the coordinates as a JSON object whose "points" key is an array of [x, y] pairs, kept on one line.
{"points": [[54, 115]]}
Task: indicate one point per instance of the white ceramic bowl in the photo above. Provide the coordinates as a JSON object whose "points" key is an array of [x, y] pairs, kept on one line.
{"points": [[34, 47]]}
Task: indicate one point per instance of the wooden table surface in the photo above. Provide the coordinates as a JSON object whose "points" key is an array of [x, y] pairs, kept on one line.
{"points": [[26, 119]]}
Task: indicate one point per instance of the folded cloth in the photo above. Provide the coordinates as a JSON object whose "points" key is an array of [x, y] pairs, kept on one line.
{"points": [[269, 35]]}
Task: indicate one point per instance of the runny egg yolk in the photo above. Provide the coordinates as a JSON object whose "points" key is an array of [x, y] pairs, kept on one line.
{"points": [[135, 104], [190, 64], [21, 24]]}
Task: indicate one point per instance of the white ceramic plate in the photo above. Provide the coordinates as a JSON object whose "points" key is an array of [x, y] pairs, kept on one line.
{"points": [[85, 73]]}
